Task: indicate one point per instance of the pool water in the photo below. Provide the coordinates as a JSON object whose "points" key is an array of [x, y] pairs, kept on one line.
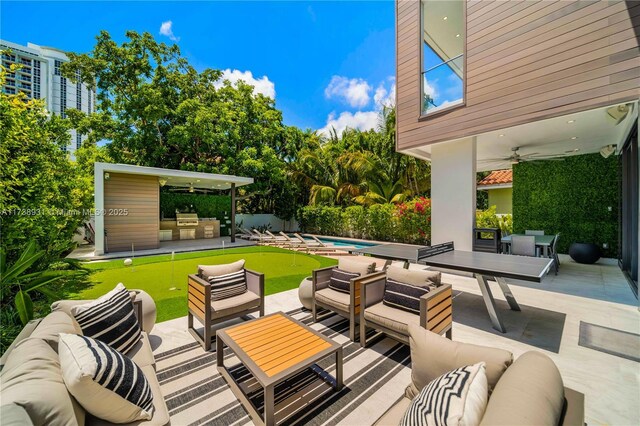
{"points": [[340, 243]]}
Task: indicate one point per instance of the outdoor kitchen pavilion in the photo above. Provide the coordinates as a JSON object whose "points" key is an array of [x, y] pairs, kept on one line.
{"points": [[127, 202]]}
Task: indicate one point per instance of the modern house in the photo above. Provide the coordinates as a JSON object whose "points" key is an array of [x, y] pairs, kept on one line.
{"points": [[39, 77], [482, 85], [499, 187]]}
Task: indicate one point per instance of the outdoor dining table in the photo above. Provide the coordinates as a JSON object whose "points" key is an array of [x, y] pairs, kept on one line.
{"points": [[542, 241]]}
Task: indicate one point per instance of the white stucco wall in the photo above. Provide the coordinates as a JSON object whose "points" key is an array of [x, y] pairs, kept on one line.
{"points": [[257, 220], [453, 193]]}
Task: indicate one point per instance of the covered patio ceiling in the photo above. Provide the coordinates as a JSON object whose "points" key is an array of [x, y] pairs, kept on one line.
{"points": [[178, 178], [574, 134]]}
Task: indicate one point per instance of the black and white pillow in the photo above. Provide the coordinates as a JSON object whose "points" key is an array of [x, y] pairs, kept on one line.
{"points": [[228, 285], [458, 397], [106, 383], [110, 319], [340, 280], [403, 296]]}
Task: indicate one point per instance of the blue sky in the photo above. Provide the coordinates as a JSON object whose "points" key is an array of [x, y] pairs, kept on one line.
{"points": [[326, 60]]}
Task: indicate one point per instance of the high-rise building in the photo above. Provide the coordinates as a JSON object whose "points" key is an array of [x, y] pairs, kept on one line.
{"points": [[40, 77]]}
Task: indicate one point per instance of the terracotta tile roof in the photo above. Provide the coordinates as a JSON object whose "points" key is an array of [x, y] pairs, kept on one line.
{"points": [[497, 177]]}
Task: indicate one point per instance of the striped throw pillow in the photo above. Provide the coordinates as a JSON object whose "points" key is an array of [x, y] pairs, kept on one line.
{"points": [[340, 280], [458, 397], [403, 296], [110, 319], [106, 383], [228, 285]]}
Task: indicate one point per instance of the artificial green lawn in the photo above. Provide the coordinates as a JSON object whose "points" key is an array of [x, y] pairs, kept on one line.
{"points": [[166, 281]]}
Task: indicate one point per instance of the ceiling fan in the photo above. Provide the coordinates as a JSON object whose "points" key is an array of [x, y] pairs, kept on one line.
{"points": [[517, 158]]}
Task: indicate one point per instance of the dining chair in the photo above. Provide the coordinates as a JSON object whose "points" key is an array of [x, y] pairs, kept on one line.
{"points": [[553, 253], [523, 245], [533, 232]]}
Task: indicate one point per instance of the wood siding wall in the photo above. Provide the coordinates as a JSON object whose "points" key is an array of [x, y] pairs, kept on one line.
{"points": [[140, 196], [526, 61]]}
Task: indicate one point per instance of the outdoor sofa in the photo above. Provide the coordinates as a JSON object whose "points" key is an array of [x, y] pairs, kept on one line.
{"points": [[32, 389], [208, 311], [435, 307], [528, 391]]}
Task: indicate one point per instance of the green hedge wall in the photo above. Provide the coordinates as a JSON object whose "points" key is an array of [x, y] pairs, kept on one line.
{"points": [[571, 197], [206, 205]]}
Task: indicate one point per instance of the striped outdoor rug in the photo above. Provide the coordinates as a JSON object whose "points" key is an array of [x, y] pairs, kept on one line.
{"points": [[374, 379]]}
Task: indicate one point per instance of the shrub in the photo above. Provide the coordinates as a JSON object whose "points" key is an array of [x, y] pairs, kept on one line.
{"points": [[354, 222], [408, 222], [415, 221], [489, 219]]}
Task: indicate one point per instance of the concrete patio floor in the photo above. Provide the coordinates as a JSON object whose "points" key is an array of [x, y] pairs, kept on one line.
{"points": [[549, 322]]}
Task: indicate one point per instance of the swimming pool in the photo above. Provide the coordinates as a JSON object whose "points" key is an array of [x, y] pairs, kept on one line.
{"points": [[344, 243]]}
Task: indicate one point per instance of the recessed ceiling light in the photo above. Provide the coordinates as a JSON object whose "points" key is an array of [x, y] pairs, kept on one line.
{"points": [[571, 121], [501, 135], [574, 138], [445, 18], [457, 35]]}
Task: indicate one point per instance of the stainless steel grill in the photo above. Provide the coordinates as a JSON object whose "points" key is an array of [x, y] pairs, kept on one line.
{"points": [[186, 219]]}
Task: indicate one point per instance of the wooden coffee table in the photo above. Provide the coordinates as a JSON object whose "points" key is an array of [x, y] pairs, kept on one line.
{"points": [[274, 348]]}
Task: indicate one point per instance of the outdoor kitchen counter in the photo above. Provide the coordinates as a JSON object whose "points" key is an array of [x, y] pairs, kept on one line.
{"points": [[170, 224]]}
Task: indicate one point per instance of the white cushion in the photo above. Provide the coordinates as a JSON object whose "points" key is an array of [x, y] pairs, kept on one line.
{"points": [[457, 398], [106, 383]]}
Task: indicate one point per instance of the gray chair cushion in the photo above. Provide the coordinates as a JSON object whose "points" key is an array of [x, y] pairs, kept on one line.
{"points": [[206, 271], [14, 415], [423, 278], [530, 392], [339, 300], [235, 304], [32, 378], [433, 355], [354, 264], [394, 319], [52, 325]]}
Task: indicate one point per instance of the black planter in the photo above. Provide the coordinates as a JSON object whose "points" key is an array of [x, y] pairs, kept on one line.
{"points": [[584, 253]]}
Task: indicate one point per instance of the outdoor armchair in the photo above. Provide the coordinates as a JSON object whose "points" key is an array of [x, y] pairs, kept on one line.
{"points": [[346, 305], [525, 392], [436, 309], [210, 312]]}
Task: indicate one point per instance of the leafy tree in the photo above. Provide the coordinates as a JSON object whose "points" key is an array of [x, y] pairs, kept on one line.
{"points": [[42, 194], [157, 110], [361, 167]]}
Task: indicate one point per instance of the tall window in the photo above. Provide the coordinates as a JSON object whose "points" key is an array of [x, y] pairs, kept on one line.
{"points": [[56, 67], [63, 97], [443, 40], [78, 91]]}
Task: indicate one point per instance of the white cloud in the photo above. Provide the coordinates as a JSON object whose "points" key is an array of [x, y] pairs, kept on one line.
{"points": [[361, 120], [166, 29], [260, 85], [355, 90], [384, 97], [430, 89]]}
